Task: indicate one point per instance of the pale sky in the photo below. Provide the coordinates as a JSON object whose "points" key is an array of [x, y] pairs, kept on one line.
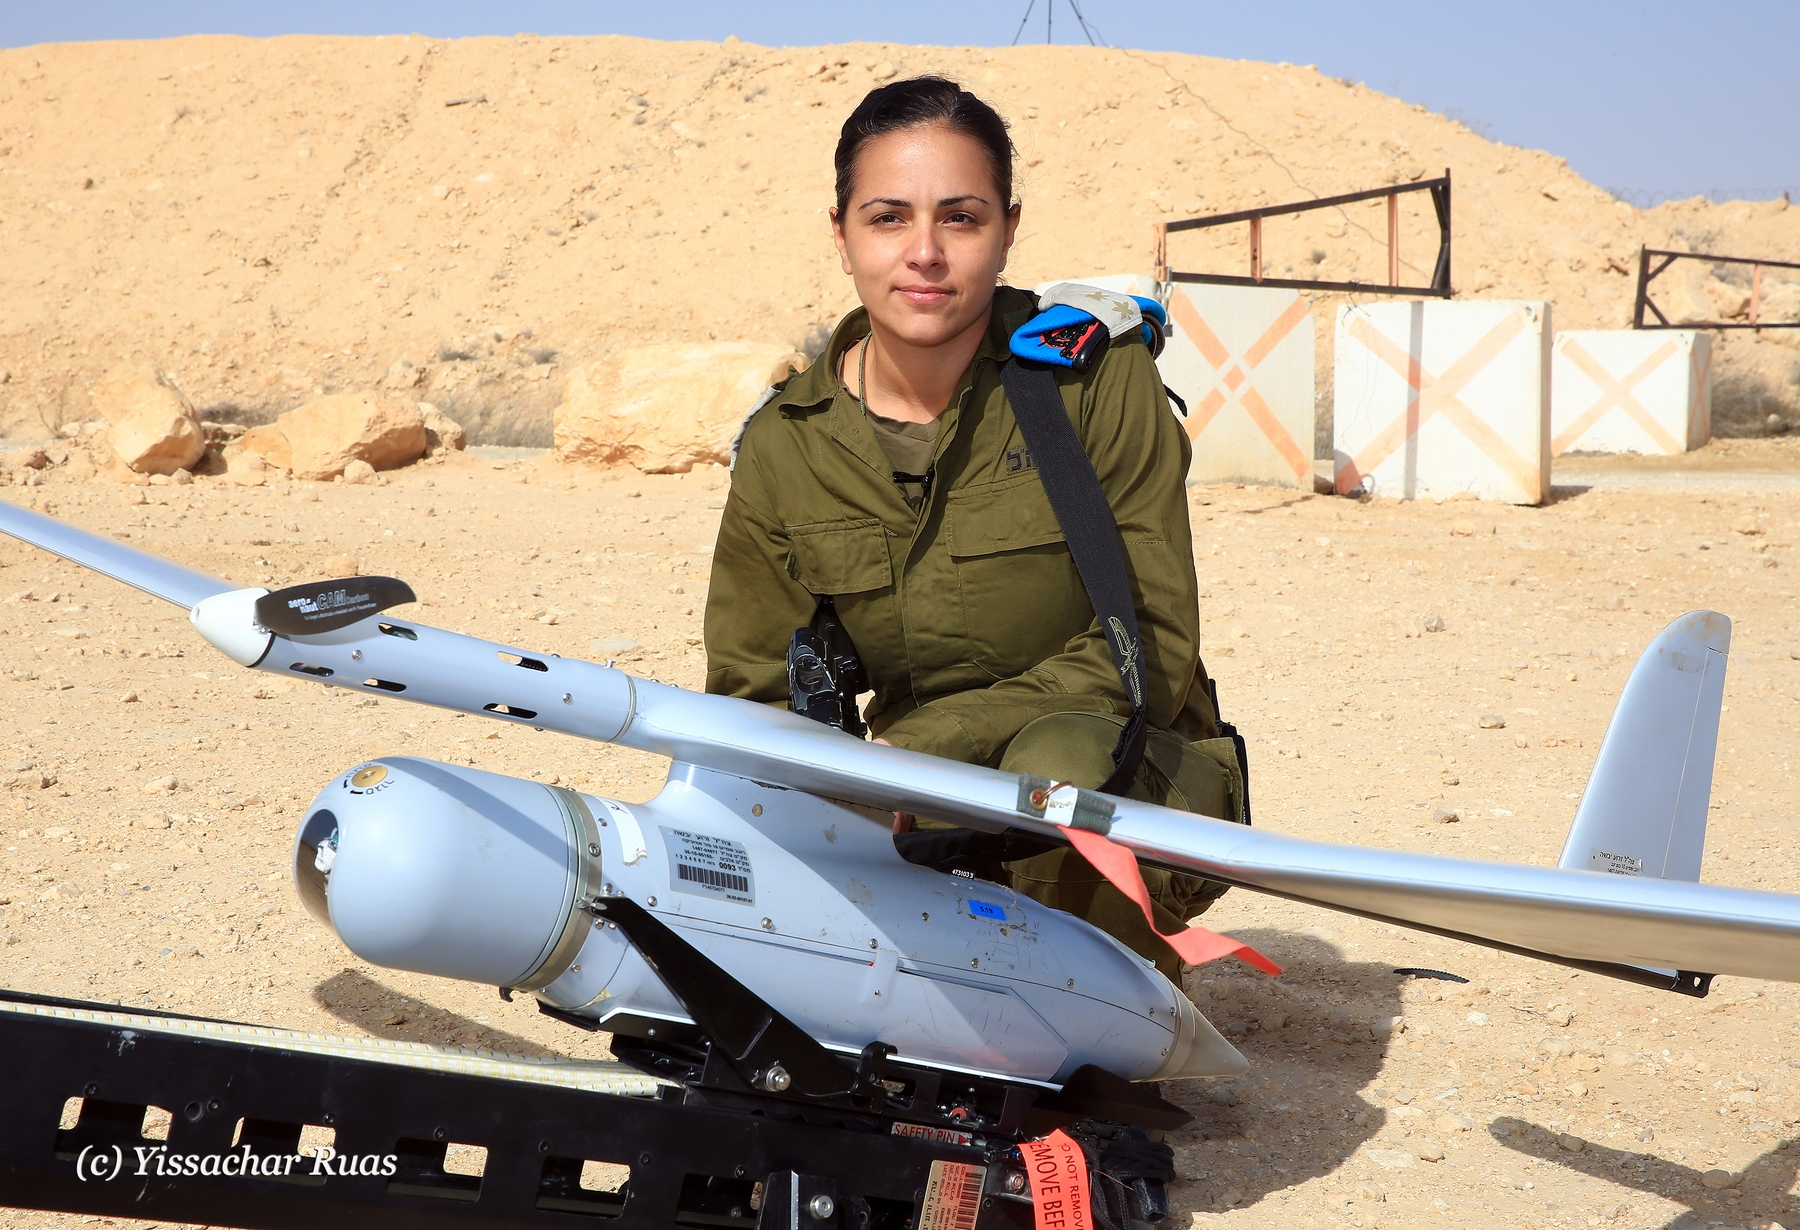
{"points": [[1652, 97]]}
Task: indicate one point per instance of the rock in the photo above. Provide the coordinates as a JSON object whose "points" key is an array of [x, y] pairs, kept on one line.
{"points": [[130, 698], [883, 70], [1374, 1193], [341, 566], [1393, 1159], [1387, 1027], [1646, 1135], [267, 442], [160, 785], [56, 831], [613, 644], [1477, 1018], [1570, 1144], [359, 472], [401, 374], [245, 468], [1274, 1021], [1492, 721], [326, 435], [1428, 1151], [1445, 815], [1576, 1089], [1716, 1179], [443, 434], [668, 407], [27, 459], [1455, 1123], [1434, 623], [1747, 525], [1560, 1016], [154, 427], [1463, 529], [182, 478]]}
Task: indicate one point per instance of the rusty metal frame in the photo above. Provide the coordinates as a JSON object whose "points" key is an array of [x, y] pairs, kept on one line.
{"points": [[1439, 287], [1757, 264]]}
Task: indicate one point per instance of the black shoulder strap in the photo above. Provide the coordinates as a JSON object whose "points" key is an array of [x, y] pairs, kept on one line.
{"points": [[1086, 519]]}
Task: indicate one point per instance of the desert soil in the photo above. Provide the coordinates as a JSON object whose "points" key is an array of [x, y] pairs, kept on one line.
{"points": [[154, 788], [274, 219]]}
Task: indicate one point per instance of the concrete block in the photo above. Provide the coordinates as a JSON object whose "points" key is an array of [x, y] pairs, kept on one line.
{"points": [[1241, 357], [1626, 391], [1441, 398]]}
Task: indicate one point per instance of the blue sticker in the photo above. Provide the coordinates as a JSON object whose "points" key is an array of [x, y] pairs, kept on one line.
{"points": [[981, 909]]}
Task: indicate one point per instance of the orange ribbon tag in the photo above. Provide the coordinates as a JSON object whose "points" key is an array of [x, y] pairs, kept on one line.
{"points": [[1195, 945], [1057, 1169]]}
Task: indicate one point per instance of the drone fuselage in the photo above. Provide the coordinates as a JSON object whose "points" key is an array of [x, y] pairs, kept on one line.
{"points": [[446, 870]]}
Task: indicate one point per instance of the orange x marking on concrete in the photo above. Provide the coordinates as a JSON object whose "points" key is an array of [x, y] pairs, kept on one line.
{"points": [[1218, 355], [1434, 395], [1615, 393]]}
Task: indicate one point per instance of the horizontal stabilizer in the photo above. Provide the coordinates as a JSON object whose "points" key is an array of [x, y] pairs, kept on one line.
{"points": [[1644, 810]]}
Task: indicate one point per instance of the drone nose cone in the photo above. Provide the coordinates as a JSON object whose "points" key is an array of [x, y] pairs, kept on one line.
{"points": [[314, 853], [444, 870]]}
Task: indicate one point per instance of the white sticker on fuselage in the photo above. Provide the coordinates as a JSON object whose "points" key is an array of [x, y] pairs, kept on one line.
{"points": [[708, 866], [631, 835], [1615, 864]]}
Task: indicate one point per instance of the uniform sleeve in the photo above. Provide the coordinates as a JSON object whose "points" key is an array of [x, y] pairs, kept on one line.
{"points": [[1141, 456], [753, 603]]}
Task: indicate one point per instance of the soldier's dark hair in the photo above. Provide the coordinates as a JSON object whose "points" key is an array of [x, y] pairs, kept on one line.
{"points": [[917, 101]]}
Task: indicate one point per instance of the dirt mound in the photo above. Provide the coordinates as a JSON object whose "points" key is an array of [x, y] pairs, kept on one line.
{"points": [[272, 220]]}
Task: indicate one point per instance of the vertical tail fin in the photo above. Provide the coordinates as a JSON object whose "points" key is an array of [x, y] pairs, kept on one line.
{"points": [[1644, 810]]}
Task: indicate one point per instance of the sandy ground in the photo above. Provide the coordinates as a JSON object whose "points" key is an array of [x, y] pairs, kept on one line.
{"points": [[1529, 1097]]}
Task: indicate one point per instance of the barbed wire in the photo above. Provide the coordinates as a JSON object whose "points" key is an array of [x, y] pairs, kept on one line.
{"points": [[1644, 198]]}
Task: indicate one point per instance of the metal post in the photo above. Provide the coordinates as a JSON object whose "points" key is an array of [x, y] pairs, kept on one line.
{"points": [[1393, 203], [1256, 249], [1159, 258], [1755, 292], [1643, 287]]}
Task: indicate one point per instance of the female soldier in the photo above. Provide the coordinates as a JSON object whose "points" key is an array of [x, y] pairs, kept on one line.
{"points": [[891, 478]]}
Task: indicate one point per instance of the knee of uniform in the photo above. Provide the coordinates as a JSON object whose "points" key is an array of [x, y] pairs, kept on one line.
{"points": [[1065, 747]]}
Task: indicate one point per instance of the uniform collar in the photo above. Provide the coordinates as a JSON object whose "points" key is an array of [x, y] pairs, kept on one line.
{"points": [[819, 383]]}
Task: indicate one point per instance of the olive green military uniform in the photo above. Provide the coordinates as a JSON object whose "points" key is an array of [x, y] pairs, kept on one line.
{"points": [[980, 643]]}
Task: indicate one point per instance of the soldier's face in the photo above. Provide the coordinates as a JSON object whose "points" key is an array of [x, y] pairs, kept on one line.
{"points": [[926, 234]]}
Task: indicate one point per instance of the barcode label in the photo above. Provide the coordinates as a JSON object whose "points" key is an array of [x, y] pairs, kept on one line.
{"points": [[708, 866], [952, 1196], [714, 879]]}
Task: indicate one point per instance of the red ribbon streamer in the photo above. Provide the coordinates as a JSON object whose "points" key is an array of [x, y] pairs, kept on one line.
{"points": [[1195, 945]]}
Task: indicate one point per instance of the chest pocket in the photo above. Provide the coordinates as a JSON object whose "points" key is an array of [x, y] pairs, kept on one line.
{"points": [[841, 557], [1021, 597], [1009, 515]]}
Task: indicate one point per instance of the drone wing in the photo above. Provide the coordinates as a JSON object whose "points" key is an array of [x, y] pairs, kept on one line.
{"points": [[1634, 926]]}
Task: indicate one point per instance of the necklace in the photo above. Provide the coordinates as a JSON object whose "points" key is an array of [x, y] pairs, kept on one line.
{"points": [[862, 365]]}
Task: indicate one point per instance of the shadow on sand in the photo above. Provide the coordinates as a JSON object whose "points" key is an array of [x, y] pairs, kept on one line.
{"points": [[1764, 1183], [367, 1005], [1297, 1114]]}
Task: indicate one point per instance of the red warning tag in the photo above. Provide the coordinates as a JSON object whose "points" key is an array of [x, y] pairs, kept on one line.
{"points": [[1057, 1169], [1196, 945]]}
